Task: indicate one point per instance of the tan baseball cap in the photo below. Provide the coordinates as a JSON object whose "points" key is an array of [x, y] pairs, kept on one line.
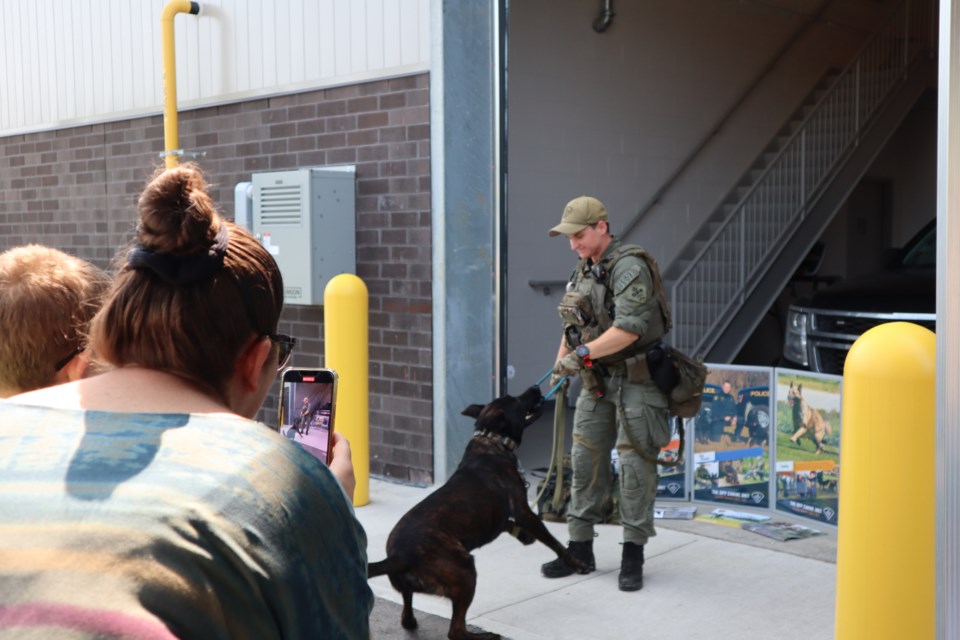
{"points": [[579, 214]]}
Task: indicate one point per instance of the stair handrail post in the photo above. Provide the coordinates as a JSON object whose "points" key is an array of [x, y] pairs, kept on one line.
{"points": [[803, 172], [857, 88], [677, 314], [743, 256], [906, 35]]}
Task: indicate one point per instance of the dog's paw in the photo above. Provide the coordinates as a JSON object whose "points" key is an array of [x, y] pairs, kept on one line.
{"points": [[577, 565], [408, 622]]}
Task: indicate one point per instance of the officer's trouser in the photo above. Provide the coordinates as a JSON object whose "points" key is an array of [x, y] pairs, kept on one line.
{"points": [[596, 430]]}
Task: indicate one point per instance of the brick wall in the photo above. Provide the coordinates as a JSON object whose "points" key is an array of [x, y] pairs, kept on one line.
{"points": [[75, 189]]}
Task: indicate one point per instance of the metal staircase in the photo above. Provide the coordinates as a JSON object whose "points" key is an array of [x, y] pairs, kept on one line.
{"points": [[731, 271]]}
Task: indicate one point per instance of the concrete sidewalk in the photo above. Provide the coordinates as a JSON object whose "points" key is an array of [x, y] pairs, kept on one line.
{"points": [[701, 580]]}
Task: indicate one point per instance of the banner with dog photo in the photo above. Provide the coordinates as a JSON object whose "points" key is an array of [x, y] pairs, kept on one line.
{"points": [[807, 446], [673, 479], [731, 452]]}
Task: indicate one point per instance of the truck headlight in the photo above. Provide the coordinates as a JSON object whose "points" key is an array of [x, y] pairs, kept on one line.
{"points": [[795, 340]]}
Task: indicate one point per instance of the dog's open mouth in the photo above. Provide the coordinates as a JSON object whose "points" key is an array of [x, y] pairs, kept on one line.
{"points": [[534, 399], [534, 413]]}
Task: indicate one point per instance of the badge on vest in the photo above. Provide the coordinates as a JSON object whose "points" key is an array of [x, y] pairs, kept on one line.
{"points": [[638, 293], [625, 278]]}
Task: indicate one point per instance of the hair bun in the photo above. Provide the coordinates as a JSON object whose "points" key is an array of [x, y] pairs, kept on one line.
{"points": [[177, 214]]}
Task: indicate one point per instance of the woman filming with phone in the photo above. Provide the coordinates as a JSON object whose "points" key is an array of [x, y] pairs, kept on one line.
{"points": [[145, 502]]}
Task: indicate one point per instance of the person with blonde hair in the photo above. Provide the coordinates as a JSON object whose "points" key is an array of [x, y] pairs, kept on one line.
{"points": [[47, 298], [146, 502]]}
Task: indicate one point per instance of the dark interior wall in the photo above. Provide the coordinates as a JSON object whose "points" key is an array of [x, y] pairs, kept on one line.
{"points": [[913, 182], [614, 114], [75, 189]]}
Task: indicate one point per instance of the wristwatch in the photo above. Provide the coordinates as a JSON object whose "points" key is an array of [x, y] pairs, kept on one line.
{"points": [[583, 352]]}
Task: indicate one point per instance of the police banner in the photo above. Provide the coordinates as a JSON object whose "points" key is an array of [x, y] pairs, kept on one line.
{"points": [[731, 462]]}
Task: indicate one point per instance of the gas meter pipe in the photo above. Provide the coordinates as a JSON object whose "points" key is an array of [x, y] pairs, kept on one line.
{"points": [[170, 133]]}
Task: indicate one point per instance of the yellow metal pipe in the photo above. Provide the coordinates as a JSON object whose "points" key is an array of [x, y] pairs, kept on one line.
{"points": [[345, 321], [170, 132]]}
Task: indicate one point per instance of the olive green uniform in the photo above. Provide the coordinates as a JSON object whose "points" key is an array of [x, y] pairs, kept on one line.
{"points": [[630, 413]]}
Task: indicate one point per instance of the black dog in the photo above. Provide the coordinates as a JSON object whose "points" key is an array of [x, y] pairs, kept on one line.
{"points": [[428, 551], [759, 436]]}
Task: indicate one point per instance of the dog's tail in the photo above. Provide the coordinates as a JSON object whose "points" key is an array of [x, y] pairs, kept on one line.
{"points": [[384, 567]]}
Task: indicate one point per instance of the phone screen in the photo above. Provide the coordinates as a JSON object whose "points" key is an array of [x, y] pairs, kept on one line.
{"points": [[307, 409]]}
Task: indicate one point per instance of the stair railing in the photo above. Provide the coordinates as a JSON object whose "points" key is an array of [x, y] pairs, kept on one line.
{"points": [[729, 266]]}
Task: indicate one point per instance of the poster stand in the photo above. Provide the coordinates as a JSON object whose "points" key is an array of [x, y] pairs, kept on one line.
{"points": [[765, 437]]}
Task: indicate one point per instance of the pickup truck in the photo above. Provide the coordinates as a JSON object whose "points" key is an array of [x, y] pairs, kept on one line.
{"points": [[821, 328]]}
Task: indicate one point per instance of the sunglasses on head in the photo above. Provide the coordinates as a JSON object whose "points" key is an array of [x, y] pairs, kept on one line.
{"points": [[286, 344]]}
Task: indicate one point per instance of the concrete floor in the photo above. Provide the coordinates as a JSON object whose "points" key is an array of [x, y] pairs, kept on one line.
{"points": [[702, 580]]}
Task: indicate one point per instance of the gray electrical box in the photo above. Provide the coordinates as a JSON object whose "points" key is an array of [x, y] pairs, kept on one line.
{"points": [[306, 219]]}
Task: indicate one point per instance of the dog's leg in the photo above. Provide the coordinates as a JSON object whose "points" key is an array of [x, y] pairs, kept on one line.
{"points": [[461, 592], [521, 534], [799, 434], [407, 619]]}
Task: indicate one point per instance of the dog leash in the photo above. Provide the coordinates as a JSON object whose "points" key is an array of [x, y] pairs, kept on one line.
{"points": [[622, 413], [557, 450]]}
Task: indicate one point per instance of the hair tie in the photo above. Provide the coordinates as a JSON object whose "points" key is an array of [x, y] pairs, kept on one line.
{"points": [[186, 269]]}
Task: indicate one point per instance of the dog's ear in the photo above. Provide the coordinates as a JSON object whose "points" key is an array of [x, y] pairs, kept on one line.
{"points": [[473, 410], [800, 388]]}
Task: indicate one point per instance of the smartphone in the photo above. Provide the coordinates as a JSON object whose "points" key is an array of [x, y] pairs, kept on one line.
{"points": [[308, 407]]}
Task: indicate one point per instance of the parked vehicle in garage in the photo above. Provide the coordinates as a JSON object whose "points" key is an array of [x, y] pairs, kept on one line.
{"points": [[821, 328]]}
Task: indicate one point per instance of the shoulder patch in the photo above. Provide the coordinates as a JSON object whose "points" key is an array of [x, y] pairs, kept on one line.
{"points": [[625, 279]]}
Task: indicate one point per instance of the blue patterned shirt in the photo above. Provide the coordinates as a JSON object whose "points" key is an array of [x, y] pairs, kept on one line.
{"points": [[116, 525]]}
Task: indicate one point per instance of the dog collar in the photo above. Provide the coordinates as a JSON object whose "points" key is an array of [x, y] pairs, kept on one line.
{"points": [[506, 441]]}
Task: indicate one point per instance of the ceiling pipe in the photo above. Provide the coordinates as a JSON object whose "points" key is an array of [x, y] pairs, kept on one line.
{"points": [[605, 18], [172, 150]]}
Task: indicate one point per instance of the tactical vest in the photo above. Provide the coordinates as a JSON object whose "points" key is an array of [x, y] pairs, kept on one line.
{"points": [[587, 308]]}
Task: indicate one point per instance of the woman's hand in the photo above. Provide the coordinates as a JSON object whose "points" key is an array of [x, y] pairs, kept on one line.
{"points": [[341, 464]]}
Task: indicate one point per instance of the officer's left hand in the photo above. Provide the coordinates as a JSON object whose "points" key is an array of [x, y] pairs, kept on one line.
{"points": [[557, 378], [568, 365]]}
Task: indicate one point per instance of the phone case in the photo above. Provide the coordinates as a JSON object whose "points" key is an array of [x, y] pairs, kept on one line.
{"points": [[307, 409]]}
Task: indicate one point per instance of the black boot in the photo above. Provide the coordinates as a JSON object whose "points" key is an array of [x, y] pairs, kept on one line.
{"points": [[631, 567], [582, 551]]}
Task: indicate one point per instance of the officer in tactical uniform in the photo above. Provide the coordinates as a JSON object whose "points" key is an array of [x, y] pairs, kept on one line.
{"points": [[614, 311], [725, 414]]}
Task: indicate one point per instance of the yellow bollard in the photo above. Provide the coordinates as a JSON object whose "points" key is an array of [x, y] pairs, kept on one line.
{"points": [[346, 339], [886, 543]]}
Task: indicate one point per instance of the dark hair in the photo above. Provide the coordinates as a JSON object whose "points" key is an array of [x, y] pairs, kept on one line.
{"points": [[194, 329]]}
